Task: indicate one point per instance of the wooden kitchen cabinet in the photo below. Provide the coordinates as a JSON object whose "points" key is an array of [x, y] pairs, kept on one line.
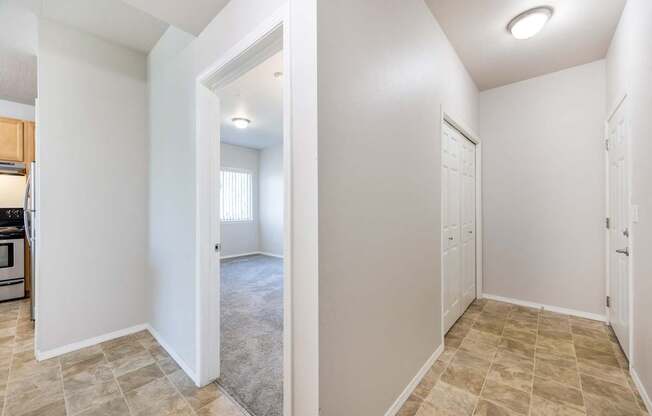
{"points": [[29, 134], [12, 140]]}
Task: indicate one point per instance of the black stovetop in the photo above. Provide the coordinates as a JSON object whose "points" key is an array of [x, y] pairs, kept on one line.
{"points": [[11, 223]]}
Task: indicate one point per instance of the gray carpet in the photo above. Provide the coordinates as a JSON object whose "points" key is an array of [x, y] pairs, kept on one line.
{"points": [[252, 333]]}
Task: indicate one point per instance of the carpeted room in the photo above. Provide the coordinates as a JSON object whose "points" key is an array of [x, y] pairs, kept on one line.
{"points": [[251, 216]]}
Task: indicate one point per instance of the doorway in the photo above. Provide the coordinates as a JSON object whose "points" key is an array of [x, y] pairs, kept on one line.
{"points": [[460, 196], [251, 219], [619, 226], [244, 187]]}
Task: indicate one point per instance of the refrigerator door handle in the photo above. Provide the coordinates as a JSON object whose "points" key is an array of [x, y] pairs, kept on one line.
{"points": [[27, 212]]}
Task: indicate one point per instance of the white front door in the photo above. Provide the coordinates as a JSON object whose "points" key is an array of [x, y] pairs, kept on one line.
{"points": [[458, 224], [619, 227]]}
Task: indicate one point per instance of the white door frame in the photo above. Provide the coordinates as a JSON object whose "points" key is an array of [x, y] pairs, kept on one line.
{"points": [[475, 139], [630, 310], [269, 37]]}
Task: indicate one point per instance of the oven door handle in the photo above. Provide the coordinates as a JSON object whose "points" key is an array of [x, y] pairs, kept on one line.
{"points": [[27, 212], [12, 283]]}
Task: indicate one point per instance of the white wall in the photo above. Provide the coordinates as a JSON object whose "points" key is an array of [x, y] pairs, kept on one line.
{"points": [[544, 189], [12, 191], [629, 70], [385, 70], [20, 111], [241, 237], [92, 194], [172, 250], [271, 200]]}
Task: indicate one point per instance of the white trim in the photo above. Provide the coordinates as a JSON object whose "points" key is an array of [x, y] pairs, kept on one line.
{"points": [[253, 253], [247, 52], [641, 389], [235, 256], [479, 242], [402, 398], [44, 355], [556, 309], [172, 353]]}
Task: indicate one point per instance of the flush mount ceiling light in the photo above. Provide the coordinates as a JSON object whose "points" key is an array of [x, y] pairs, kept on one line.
{"points": [[530, 22], [278, 74], [241, 123]]}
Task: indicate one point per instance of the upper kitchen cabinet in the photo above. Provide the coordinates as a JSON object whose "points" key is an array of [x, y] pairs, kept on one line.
{"points": [[29, 133], [12, 140]]}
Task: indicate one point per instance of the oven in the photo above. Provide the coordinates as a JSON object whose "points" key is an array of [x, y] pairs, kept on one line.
{"points": [[12, 269]]}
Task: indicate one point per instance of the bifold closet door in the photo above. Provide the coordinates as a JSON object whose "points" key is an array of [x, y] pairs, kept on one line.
{"points": [[458, 224]]}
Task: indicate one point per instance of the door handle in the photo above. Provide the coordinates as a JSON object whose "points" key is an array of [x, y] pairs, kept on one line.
{"points": [[624, 251]]}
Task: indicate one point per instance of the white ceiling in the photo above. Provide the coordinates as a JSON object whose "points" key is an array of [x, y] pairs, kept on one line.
{"points": [[190, 16], [18, 48], [113, 20], [258, 96], [136, 24], [578, 32]]}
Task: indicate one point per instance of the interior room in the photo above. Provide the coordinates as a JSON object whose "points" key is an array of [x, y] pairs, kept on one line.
{"points": [[18, 92], [416, 208], [251, 203]]}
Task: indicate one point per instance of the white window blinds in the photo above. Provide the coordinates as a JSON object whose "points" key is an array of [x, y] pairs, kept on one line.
{"points": [[236, 194]]}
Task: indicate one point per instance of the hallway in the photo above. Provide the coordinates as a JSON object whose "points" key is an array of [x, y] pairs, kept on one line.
{"points": [[132, 375], [502, 359]]}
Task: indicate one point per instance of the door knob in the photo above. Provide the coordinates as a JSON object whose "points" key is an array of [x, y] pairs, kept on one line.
{"points": [[624, 251]]}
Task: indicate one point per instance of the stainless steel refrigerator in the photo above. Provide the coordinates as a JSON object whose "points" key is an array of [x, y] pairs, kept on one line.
{"points": [[30, 217]]}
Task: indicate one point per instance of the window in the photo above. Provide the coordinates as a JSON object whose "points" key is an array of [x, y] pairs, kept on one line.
{"points": [[236, 194]]}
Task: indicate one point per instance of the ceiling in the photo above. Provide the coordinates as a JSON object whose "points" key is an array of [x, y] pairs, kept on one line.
{"points": [[136, 24], [191, 17], [579, 32], [113, 20], [18, 48], [258, 96]]}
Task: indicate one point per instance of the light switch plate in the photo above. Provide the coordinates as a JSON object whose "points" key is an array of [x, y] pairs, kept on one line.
{"points": [[634, 213]]}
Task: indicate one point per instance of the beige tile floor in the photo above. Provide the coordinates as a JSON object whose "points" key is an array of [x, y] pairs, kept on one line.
{"points": [[502, 359], [132, 375], [499, 359]]}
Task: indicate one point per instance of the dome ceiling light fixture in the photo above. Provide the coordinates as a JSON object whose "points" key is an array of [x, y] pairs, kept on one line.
{"points": [[530, 22], [241, 122]]}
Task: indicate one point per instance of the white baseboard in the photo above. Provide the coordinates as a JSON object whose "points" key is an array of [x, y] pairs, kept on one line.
{"points": [[55, 352], [176, 357], [641, 389], [400, 401], [235, 256], [253, 253], [557, 309], [278, 256]]}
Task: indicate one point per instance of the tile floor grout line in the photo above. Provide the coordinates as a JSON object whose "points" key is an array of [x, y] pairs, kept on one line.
{"points": [[167, 377], [122, 393], [491, 363], [446, 365], [63, 388], [534, 361], [11, 362], [617, 349]]}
